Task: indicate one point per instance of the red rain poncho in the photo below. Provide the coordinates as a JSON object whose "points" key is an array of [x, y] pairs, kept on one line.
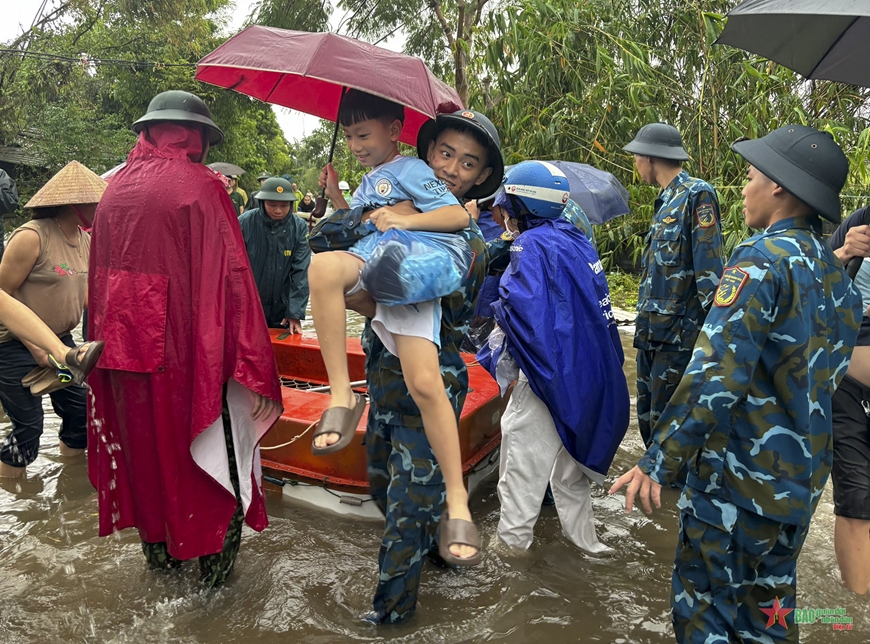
{"points": [[171, 294]]}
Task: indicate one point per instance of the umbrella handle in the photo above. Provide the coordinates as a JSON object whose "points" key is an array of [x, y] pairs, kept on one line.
{"points": [[320, 202]]}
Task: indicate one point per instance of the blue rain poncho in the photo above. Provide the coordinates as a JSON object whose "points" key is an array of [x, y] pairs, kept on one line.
{"points": [[554, 310]]}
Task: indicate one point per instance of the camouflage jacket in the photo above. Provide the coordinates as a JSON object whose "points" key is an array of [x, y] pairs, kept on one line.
{"points": [[751, 418], [390, 400], [682, 263]]}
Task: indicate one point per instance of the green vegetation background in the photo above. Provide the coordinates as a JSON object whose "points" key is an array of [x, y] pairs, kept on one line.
{"points": [[562, 79]]}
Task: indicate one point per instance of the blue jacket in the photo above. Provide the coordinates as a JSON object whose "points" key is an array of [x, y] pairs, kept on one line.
{"points": [[554, 308]]}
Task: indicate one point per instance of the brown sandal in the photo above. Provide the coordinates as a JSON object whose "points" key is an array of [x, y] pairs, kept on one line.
{"points": [[458, 532], [338, 420], [81, 367], [34, 375]]}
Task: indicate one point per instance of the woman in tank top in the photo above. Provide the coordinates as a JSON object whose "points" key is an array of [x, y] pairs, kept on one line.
{"points": [[45, 267]]}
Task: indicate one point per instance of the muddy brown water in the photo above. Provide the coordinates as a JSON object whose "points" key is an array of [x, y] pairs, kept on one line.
{"points": [[310, 575]]}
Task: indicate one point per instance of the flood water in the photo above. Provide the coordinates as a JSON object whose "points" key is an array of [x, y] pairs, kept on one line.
{"points": [[309, 576]]}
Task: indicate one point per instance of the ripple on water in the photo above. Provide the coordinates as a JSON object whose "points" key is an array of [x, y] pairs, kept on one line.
{"points": [[309, 577]]}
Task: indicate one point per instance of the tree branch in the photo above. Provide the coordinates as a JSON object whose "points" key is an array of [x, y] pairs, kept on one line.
{"points": [[435, 5]]}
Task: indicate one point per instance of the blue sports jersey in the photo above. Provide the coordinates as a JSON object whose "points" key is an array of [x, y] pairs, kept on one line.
{"points": [[402, 179]]}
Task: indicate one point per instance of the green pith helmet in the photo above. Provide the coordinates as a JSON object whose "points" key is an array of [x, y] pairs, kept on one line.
{"points": [[182, 107], [263, 176], [658, 140], [275, 189]]}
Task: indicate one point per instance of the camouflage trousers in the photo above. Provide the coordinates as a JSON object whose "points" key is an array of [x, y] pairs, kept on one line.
{"points": [[658, 374], [736, 586], [406, 484], [213, 569]]}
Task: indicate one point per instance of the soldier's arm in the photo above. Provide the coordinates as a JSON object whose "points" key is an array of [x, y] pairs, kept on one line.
{"points": [[723, 363], [707, 253], [298, 286]]}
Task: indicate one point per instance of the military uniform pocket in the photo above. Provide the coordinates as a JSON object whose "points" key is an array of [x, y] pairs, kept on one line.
{"points": [[665, 320], [667, 246]]}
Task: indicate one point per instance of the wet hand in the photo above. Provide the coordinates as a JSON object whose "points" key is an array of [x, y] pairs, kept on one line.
{"points": [[857, 242], [384, 219], [328, 181], [264, 407], [473, 209], [292, 326], [640, 486]]}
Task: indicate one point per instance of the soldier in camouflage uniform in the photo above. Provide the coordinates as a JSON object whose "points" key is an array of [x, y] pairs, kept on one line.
{"points": [[404, 476], [682, 263], [750, 421]]}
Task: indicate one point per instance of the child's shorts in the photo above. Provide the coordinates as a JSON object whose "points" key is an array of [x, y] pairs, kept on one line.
{"points": [[421, 320]]}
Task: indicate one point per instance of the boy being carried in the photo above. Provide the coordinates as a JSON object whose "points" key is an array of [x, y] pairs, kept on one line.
{"points": [[372, 126]]}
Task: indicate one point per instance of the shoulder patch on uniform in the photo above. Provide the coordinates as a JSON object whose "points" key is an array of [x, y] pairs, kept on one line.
{"points": [[732, 282], [383, 187], [668, 220], [706, 215]]}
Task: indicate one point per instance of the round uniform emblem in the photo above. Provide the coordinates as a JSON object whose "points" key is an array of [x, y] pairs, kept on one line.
{"points": [[279, 189], [468, 115], [383, 187]]}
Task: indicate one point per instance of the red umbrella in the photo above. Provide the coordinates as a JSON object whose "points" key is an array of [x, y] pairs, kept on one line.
{"points": [[309, 71]]}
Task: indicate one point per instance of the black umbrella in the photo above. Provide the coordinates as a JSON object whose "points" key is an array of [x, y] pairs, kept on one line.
{"points": [[823, 40]]}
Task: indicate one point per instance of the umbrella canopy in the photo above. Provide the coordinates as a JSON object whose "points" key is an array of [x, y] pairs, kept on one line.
{"points": [[823, 40], [600, 194], [309, 71], [226, 169]]}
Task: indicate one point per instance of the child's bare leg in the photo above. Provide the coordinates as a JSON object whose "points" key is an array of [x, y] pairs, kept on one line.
{"points": [[420, 367], [330, 276]]}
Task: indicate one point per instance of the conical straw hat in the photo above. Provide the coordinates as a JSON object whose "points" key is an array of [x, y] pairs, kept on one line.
{"points": [[74, 184]]}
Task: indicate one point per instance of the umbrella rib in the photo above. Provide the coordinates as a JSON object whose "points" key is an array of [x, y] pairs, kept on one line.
{"points": [[830, 49]]}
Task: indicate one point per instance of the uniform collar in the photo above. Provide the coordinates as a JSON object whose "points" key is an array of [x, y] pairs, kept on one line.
{"points": [[668, 193], [811, 222], [272, 222]]}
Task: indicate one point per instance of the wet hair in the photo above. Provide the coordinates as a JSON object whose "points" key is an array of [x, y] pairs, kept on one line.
{"points": [[357, 106], [475, 132]]}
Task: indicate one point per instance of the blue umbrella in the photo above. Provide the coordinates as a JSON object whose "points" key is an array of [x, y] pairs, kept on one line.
{"points": [[600, 194]]}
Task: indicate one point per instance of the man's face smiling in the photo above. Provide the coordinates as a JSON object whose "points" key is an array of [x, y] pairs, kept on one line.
{"points": [[459, 161]]}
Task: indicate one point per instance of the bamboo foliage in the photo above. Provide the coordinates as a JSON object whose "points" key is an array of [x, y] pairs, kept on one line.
{"points": [[575, 81]]}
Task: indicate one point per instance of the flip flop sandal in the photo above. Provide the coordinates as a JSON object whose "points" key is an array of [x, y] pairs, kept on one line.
{"points": [[338, 420], [34, 375], [458, 532], [80, 367], [50, 382]]}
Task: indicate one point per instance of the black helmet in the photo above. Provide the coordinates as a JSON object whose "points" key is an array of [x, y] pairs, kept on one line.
{"points": [[805, 162], [468, 118], [658, 140], [275, 189], [183, 107]]}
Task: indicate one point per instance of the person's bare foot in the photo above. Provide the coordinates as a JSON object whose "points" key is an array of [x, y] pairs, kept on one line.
{"points": [[461, 511], [11, 472], [65, 450], [338, 399]]}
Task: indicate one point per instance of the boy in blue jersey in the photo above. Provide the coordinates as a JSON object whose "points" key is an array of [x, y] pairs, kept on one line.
{"points": [[372, 126]]}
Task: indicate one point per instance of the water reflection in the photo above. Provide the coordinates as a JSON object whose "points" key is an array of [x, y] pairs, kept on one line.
{"points": [[310, 575]]}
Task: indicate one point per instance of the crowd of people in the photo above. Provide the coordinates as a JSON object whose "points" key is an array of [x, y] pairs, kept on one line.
{"points": [[746, 397]]}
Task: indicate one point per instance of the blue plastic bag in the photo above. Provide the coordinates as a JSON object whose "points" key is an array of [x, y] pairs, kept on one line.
{"points": [[407, 267]]}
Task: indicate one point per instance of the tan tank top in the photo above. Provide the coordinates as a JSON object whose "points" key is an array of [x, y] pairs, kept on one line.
{"points": [[56, 288]]}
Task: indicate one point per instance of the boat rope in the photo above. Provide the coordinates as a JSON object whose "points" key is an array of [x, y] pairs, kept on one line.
{"points": [[291, 441]]}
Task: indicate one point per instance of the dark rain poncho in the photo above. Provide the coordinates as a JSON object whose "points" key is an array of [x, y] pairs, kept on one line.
{"points": [[554, 310], [280, 256]]}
